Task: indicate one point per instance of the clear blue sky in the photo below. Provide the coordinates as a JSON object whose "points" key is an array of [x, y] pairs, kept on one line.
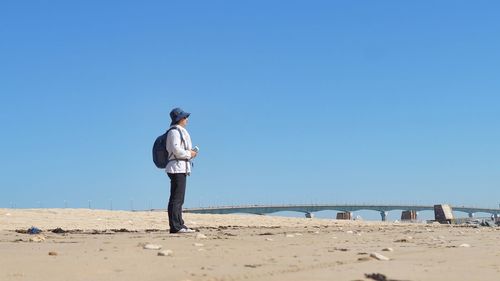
{"points": [[291, 101]]}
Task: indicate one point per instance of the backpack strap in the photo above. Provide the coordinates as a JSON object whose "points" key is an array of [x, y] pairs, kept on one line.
{"points": [[182, 141]]}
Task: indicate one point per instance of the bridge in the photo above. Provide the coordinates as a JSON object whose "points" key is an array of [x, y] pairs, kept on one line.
{"points": [[308, 210]]}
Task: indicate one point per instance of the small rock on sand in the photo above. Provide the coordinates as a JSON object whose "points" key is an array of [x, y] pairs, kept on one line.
{"points": [[290, 235], [52, 253], [388, 249], [152, 247], [165, 253], [464, 246], [59, 230], [38, 238], [198, 245], [379, 257], [404, 240], [377, 277]]}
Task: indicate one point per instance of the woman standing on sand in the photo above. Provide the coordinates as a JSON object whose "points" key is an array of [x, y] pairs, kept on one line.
{"points": [[180, 151]]}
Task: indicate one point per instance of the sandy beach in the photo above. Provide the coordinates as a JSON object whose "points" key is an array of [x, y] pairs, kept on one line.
{"points": [[121, 245]]}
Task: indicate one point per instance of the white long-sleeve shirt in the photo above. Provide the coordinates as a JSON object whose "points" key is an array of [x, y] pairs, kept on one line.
{"points": [[178, 150]]}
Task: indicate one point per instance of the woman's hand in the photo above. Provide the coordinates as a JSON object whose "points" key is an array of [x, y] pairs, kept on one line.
{"points": [[193, 154]]}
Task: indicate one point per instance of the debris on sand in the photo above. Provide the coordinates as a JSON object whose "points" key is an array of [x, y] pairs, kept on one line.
{"points": [[38, 238], [31, 230], [59, 230], [165, 253], [379, 257], [376, 277], [151, 247], [379, 277], [34, 230], [253, 265]]}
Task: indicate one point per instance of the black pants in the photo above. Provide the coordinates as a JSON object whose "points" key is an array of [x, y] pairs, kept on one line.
{"points": [[177, 192]]}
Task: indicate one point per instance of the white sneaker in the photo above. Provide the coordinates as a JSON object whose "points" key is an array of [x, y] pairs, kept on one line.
{"points": [[186, 230]]}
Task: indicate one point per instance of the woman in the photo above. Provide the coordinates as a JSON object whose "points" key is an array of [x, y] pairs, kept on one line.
{"points": [[180, 153]]}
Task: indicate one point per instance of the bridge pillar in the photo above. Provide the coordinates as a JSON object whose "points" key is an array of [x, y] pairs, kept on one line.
{"points": [[471, 215], [443, 213], [383, 214], [309, 215], [344, 216], [409, 215]]}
